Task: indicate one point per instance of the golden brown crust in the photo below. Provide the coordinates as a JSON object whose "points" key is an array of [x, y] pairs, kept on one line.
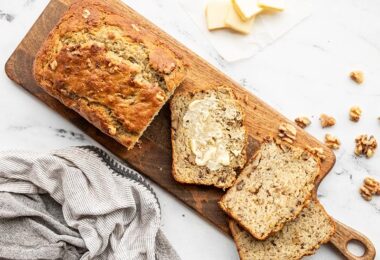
{"points": [[278, 226], [234, 232], [110, 70]]}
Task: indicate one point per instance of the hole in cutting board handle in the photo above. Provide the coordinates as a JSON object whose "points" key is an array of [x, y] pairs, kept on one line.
{"points": [[356, 248]]}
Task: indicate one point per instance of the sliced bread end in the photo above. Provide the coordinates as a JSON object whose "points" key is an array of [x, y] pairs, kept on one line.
{"points": [[300, 237]]}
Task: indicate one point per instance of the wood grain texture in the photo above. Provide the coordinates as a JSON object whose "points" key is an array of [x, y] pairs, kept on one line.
{"points": [[344, 234], [153, 157]]}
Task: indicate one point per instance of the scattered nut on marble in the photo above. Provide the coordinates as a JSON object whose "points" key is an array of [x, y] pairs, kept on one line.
{"points": [[369, 188], [327, 121], [355, 113], [332, 141], [357, 76], [302, 121], [287, 132], [365, 145]]}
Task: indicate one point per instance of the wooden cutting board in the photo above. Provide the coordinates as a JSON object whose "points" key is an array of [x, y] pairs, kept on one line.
{"points": [[153, 157]]}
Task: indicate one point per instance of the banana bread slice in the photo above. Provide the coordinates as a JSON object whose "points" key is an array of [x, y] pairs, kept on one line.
{"points": [[272, 189], [208, 137], [113, 71], [300, 237]]}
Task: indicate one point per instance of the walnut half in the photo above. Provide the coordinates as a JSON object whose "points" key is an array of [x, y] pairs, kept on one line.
{"points": [[302, 121], [365, 145], [332, 142], [355, 113], [327, 121], [369, 188], [357, 76], [317, 151], [287, 132]]}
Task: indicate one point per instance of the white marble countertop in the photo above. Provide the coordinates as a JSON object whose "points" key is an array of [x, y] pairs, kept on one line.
{"points": [[303, 73]]}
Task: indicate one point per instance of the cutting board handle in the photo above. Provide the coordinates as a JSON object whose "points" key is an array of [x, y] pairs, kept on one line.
{"points": [[344, 235]]}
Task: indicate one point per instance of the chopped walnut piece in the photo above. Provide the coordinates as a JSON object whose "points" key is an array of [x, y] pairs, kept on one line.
{"points": [[302, 121], [366, 194], [317, 151], [365, 145], [373, 185], [357, 76], [112, 130], [53, 65], [287, 132], [86, 13], [283, 146], [332, 141], [355, 113], [370, 187], [327, 121], [160, 96]]}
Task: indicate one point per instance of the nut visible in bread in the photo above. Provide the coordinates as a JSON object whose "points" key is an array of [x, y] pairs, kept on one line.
{"points": [[95, 62]]}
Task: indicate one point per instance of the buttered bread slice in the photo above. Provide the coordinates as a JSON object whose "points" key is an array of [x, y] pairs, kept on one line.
{"points": [[208, 137], [300, 237], [272, 189]]}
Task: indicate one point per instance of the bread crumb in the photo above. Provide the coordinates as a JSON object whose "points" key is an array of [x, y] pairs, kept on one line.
{"points": [[365, 145], [357, 76], [302, 121], [327, 121], [369, 188], [355, 113], [287, 132], [332, 141]]}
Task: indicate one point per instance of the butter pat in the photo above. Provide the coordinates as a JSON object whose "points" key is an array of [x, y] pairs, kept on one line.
{"points": [[272, 5], [246, 9], [207, 142], [234, 22], [216, 12]]}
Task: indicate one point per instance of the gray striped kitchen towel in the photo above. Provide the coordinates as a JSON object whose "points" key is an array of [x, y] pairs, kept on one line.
{"points": [[77, 203]]}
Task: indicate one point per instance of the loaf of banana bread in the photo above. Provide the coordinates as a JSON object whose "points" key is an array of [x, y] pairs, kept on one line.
{"points": [[99, 62]]}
